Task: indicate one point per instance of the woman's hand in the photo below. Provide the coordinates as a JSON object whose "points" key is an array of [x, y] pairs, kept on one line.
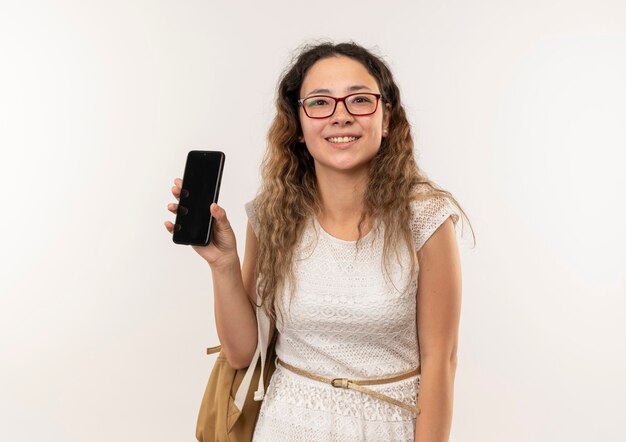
{"points": [[222, 249]]}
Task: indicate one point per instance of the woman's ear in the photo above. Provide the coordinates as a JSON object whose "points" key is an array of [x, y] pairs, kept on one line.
{"points": [[386, 119], [301, 139]]}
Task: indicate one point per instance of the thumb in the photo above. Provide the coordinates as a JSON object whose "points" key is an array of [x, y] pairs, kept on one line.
{"points": [[219, 214]]}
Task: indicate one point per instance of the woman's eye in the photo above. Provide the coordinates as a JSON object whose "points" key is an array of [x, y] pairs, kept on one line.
{"points": [[361, 99], [317, 102]]}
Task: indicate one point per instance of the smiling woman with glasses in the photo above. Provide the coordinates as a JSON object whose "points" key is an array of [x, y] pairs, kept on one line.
{"points": [[352, 251]]}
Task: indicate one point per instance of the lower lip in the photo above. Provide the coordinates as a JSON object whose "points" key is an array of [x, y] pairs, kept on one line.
{"points": [[342, 145]]}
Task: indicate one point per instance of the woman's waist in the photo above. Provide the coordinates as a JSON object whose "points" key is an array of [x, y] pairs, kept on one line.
{"points": [[352, 363], [289, 387]]}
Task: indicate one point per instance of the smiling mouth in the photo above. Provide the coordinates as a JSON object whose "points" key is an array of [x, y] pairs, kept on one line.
{"points": [[342, 139]]}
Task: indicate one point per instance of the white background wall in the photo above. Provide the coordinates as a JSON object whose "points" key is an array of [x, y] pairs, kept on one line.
{"points": [[517, 107]]}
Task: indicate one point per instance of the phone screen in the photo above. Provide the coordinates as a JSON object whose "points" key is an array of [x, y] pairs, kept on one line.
{"points": [[201, 186]]}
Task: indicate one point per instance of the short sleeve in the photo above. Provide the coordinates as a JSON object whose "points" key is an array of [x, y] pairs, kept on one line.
{"points": [[252, 217], [428, 216]]}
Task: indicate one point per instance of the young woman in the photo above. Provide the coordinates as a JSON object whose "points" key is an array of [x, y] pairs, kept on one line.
{"points": [[354, 253]]}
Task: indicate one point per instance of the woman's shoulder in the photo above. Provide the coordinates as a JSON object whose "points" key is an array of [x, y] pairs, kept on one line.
{"points": [[429, 209], [251, 211]]}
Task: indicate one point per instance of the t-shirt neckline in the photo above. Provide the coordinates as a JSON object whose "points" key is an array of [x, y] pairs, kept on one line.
{"points": [[320, 229]]}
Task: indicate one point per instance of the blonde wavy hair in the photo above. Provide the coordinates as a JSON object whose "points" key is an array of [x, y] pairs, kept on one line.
{"points": [[288, 195]]}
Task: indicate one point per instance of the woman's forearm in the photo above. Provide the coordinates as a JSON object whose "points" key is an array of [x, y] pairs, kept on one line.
{"points": [[235, 316], [435, 401]]}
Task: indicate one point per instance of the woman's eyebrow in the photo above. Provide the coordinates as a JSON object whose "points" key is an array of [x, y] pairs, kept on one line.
{"points": [[356, 87], [318, 91]]}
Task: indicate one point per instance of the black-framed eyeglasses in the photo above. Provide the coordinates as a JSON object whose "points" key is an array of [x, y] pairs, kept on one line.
{"points": [[323, 106]]}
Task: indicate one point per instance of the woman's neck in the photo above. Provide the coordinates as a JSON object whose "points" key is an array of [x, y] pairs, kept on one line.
{"points": [[341, 201]]}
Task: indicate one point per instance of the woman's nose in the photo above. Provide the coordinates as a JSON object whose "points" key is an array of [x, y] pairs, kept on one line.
{"points": [[341, 113]]}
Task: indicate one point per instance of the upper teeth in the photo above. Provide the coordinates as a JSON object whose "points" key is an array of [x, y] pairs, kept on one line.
{"points": [[341, 139]]}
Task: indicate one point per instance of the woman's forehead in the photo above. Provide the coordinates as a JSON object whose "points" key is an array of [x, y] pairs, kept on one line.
{"points": [[337, 75]]}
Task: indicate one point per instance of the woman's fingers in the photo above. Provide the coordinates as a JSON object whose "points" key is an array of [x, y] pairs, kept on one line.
{"points": [[176, 189], [171, 226], [177, 208], [173, 207]]}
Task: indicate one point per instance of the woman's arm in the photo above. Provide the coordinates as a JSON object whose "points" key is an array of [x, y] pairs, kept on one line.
{"points": [[234, 291], [438, 313]]}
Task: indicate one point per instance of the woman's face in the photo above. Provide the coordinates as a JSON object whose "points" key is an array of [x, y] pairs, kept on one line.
{"points": [[341, 142]]}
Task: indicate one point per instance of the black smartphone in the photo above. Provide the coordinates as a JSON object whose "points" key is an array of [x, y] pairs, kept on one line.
{"points": [[201, 187]]}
